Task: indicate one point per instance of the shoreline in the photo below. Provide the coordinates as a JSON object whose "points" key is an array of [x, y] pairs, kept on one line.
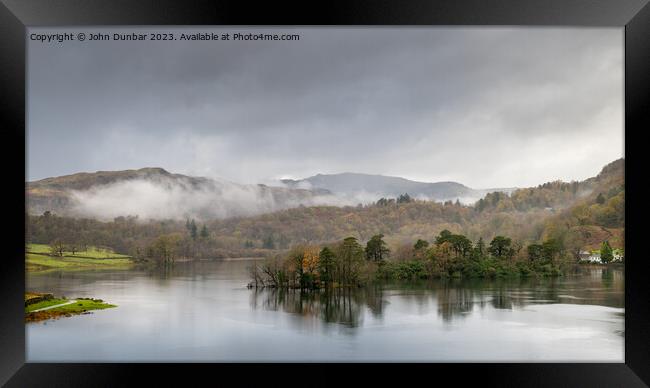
{"points": [[44, 306]]}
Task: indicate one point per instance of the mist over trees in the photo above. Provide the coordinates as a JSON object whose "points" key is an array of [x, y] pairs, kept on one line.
{"points": [[580, 217]]}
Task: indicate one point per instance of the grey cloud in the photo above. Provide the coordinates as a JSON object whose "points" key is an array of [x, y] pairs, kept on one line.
{"points": [[427, 103]]}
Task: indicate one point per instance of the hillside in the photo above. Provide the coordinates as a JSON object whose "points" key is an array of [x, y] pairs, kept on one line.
{"points": [[366, 186], [154, 193], [581, 219], [157, 193]]}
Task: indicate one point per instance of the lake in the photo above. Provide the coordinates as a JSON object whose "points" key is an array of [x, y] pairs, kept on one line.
{"points": [[202, 312]]}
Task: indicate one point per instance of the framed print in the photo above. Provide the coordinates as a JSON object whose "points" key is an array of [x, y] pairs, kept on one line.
{"points": [[274, 195]]}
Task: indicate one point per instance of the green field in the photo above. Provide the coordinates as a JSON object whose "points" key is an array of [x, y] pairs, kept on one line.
{"points": [[38, 259], [91, 252], [45, 303]]}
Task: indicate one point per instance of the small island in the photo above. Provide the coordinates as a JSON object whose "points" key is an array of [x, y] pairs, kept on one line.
{"points": [[349, 264], [43, 306]]}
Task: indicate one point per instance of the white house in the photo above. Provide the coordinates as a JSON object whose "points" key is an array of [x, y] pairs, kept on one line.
{"points": [[594, 257]]}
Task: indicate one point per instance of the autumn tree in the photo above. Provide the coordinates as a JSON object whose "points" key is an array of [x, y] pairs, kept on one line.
{"points": [[165, 248]]}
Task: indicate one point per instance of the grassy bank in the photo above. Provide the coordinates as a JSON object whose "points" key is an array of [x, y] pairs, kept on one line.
{"points": [[38, 258], [53, 308]]}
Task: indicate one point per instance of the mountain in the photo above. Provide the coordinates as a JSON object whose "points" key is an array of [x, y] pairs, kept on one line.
{"points": [[353, 185], [157, 193], [580, 215]]}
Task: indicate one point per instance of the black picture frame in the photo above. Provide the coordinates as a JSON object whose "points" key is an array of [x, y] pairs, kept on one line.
{"points": [[16, 15]]}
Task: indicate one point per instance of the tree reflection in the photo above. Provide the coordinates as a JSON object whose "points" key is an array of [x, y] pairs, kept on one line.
{"points": [[450, 299], [340, 305]]}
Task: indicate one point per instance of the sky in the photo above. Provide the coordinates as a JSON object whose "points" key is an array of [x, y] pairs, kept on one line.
{"points": [[484, 106]]}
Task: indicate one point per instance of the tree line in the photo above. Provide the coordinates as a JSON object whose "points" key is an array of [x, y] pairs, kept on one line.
{"points": [[350, 264]]}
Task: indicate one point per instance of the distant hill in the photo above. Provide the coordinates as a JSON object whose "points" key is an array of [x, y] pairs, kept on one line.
{"points": [[376, 186], [580, 215], [157, 193]]}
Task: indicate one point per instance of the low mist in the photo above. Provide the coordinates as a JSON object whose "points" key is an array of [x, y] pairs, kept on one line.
{"points": [[180, 200]]}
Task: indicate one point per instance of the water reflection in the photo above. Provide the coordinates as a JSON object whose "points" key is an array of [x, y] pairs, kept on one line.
{"points": [[202, 311], [344, 306], [451, 299]]}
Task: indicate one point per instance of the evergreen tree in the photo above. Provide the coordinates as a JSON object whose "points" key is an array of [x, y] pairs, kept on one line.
{"points": [[606, 252], [204, 232], [193, 230], [480, 247], [376, 249], [404, 198], [326, 265], [421, 245], [443, 237], [500, 246], [350, 255]]}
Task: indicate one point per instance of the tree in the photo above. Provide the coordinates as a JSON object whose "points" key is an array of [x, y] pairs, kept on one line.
{"points": [[535, 252], [164, 248], [193, 230], [443, 237], [326, 265], [350, 254], [500, 246], [600, 199], [480, 247], [460, 244], [606, 252], [376, 249], [420, 248], [480, 205], [478, 252], [404, 198], [268, 242], [310, 261], [57, 248], [421, 245], [204, 232], [551, 248]]}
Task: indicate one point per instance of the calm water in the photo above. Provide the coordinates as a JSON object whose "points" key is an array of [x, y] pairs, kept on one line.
{"points": [[202, 311]]}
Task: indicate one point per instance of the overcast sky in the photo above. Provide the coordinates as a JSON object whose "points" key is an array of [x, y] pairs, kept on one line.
{"points": [[487, 107]]}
